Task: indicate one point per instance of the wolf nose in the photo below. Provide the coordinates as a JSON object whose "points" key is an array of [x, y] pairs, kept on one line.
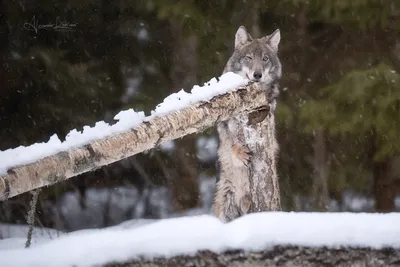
{"points": [[257, 75]]}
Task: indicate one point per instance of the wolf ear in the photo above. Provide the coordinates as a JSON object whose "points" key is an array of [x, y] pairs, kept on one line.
{"points": [[241, 37], [274, 39]]}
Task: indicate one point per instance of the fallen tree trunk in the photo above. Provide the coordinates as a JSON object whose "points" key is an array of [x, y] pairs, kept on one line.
{"points": [[279, 256], [70, 163]]}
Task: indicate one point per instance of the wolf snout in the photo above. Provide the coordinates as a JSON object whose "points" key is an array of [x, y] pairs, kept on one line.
{"points": [[257, 75]]}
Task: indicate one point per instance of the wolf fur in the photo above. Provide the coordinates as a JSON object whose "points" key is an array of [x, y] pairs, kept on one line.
{"points": [[256, 60]]}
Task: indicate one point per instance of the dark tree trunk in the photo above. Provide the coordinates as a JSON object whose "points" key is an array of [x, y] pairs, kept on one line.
{"points": [[184, 186], [383, 187], [320, 183]]}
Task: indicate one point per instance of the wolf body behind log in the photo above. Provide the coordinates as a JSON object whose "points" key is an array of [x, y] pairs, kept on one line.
{"points": [[256, 60]]}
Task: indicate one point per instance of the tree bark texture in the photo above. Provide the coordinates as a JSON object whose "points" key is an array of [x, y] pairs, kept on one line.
{"points": [[193, 119], [261, 140], [279, 256]]}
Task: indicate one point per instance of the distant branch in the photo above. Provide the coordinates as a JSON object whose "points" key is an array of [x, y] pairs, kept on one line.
{"points": [[70, 163], [31, 216]]}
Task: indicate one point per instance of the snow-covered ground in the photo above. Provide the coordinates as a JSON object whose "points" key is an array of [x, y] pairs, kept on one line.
{"points": [[187, 235], [14, 236], [127, 119]]}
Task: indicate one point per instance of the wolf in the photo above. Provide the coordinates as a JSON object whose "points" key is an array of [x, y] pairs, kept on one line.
{"points": [[256, 60]]}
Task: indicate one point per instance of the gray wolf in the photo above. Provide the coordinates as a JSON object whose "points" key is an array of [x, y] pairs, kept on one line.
{"points": [[256, 60]]}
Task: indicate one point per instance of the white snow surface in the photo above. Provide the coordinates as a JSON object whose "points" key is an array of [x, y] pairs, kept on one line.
{"points": [[14, 236], [187, 235], [127, 120]]}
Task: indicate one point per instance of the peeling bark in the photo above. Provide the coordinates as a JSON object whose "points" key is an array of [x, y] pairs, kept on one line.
{"points": [[193, 119], [279, 256], [261, 140]]}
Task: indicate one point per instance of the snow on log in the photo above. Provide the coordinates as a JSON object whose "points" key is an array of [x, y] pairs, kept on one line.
{"points": [[201, 110]]}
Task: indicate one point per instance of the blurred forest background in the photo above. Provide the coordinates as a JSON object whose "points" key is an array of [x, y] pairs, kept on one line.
{"points": [[338, 111]]}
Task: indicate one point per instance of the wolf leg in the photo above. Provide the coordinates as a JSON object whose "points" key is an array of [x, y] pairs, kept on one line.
{"points": [[229, 209], [245, 204], [233, 174]]}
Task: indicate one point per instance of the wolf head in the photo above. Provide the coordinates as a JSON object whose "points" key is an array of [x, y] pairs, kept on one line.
{"points": [[256, 59]]}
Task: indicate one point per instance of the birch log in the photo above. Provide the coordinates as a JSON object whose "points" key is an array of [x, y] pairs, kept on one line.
{"points": [[70, 163]]}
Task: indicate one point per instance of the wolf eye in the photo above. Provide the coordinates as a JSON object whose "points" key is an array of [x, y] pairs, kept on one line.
{"points": [[248, 57], [265, 58]]}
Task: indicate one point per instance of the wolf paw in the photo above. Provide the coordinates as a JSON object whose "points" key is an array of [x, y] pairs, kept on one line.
{"points": [[242, 153]]}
